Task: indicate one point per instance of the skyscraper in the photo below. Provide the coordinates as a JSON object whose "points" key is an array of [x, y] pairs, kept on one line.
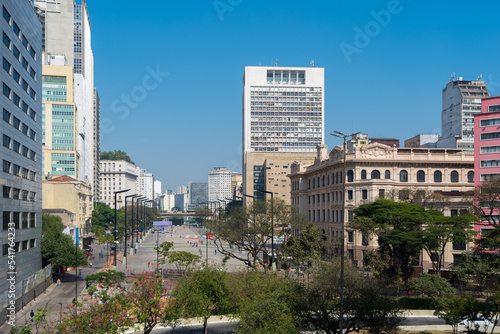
{"points": [[21, 152], [461, 101], [66, 32], [283, 122], [96, 189], [219, 184]]}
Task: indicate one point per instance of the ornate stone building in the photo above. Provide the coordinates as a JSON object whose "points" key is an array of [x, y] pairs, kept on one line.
{"points": [[375, 171]]}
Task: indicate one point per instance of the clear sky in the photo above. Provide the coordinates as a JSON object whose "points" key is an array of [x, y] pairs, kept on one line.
{"points": [[186, 118]]}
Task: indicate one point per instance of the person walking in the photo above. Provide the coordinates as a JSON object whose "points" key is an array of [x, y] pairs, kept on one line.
{"points": [[32, 315], [58, 282]]}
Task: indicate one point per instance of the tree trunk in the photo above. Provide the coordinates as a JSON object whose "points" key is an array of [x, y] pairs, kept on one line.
{"points": [[205, 325]]}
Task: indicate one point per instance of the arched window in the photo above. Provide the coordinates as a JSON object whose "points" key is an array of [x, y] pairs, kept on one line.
{"points": [[438, 176], [336, 178], [350, 176], [375, 174], [314, 183], [387, 174], [324, 181], [403, 176], [470, 177], [318, 184], [363, 174], [341, 179], [420, 176], [454, 176], [309, 184]]}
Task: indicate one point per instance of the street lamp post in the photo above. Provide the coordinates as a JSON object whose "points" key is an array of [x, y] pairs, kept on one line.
{"points": [[139, 199], [272, 225], [342, 243], [116, 193], [254, 221], [126, 240]]}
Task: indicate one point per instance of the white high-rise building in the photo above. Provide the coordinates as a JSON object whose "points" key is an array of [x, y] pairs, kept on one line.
{"points": [[461, 101], [66, 31], [157, 188], [144, 183], [219, 184], [283, 122]]}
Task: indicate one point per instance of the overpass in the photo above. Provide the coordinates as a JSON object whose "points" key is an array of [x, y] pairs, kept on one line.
{"points": [[178, 215]]}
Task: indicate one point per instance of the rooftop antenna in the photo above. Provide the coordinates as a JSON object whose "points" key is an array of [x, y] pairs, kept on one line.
{"points": [[452, 77], [312, 63], [276, 62], [480, 77]]}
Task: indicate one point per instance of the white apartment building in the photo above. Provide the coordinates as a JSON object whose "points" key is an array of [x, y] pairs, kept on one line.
{"points": [[157, 188], [283, 117], [144, 183], [166, 201], [461, 101], [219, 184], [115, 176]]}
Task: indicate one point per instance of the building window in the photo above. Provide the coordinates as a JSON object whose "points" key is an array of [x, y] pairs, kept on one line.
{"points": [[420, 176], [6, 66], [363, 174], [6, 220], [350, 236], [16, 29], [403, 176], [6, 166], [349, 194], [381, 193], [6, 41], [350, 176], [341, 180], [404, 194], [387, 174], [6, 192], [454, 176], [364, 194], [364, 239], [438, 176], [6, 141], [324, 181], [6, 91], [6, 15], [375, 174], [486, 136], [470, 177], [6, 116]]}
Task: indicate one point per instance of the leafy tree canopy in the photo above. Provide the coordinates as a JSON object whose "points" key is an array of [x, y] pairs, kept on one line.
{"points": [[115, 155]]}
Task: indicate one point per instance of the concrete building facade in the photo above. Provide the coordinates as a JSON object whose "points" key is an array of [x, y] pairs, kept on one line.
{"points": [[283, 116], [117, 175], [60, 120], [422, 140], [21, 151], [378, 171], [219, 184], [97, 146], [461, 101]]}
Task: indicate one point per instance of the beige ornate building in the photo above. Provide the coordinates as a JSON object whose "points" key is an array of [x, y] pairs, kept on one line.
{"points": [[379, 171]]}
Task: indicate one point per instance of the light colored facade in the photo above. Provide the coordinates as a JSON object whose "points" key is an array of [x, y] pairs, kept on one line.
{"points": [[117, 175], [66, 31], [166, 202], [97, 147], [461, 101], [283, 113], [158, 188], [181, 190], [21, 152], [377, 171], [144, 185], [67, 193], [60, 120], [219, 184], [236, 185], [422, 140]]}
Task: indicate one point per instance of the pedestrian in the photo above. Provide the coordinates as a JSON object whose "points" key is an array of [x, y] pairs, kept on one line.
{"points": [[58, 282], [32, 314], [90, 264], [216, 252]]}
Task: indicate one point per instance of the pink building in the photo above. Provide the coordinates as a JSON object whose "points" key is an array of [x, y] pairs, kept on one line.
{"points": [[487, 147]]}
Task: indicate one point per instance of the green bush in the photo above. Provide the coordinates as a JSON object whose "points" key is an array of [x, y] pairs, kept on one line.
{"points": [[415, 303]]}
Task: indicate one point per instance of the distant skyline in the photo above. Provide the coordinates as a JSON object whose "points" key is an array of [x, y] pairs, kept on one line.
{"points": [[169, 73]]}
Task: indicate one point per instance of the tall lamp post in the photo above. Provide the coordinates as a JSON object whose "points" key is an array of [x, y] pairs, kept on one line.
{"points": [[136, 217], [126, 240], [272, 225], [254, 199], [146, 218], [140, 199], [342, 243], [116, 193]]}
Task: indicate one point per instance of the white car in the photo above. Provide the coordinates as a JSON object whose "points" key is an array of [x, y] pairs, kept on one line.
{"points": [[479, 322]]}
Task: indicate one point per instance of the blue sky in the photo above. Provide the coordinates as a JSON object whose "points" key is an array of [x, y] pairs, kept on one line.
{"points": [[178, 126]]}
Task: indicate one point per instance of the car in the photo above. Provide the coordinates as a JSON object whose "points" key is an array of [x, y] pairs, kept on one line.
{"points": [[478, 322]]}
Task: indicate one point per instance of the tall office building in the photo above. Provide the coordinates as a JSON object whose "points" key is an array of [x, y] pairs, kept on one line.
{"points": [[461, 101], [21, 152], [198, 192], [66, 32], [157, 188], [283, 122], [59, 120], [144, 183], [97, 146], [219, 184], [117, 175]]}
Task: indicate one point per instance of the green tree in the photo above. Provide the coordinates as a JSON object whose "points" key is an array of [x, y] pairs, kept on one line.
{"points": [[115, 155], [441, 230], [305, 250], [365, 305], [453, 309], [433, 286], [182, 260], [202, 293], [163, 249], [102, 218], [264, 303], [477, 268], [251, 228], [57, 248], [486, 207], [399, 228]]}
